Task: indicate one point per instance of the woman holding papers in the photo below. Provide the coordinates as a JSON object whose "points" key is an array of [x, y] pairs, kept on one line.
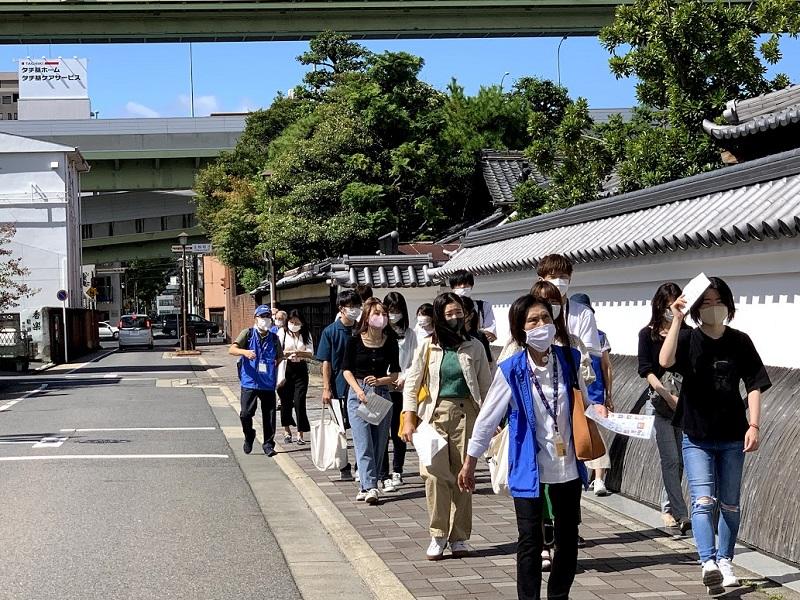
{"points": [[717, 429], [534, 389], [444, 387], [371, 364]]}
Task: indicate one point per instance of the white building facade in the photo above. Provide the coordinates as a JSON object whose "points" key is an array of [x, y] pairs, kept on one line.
{"points": [[40, 196], [739, 223]]}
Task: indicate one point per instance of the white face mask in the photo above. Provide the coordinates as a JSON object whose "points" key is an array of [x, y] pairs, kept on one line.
{"points": [[713, 315], [263, 323], [354, 314], [541, 338], [466, 291], [556, 310], [294, 328], [561, 284], [668, 316], [395, 317]]}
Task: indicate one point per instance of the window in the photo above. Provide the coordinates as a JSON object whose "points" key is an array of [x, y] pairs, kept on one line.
{"points": [[2, 118], [15, 116], [188, 221], [105, 291], [10, 118], [139, 225], [6, 99], [111, 229], [86, 230], [164, 223]]}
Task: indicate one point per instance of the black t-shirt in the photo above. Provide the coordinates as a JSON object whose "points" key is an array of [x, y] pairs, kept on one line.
{"points": [[710, 405], [378, 362], [649, 349]]}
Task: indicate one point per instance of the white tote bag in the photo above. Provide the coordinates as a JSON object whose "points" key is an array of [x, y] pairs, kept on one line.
{"points": [[328, 443], [498, 462]]}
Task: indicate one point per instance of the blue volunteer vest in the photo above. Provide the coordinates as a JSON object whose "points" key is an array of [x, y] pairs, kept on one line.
{"points": [[523, 467], [250, 376]]}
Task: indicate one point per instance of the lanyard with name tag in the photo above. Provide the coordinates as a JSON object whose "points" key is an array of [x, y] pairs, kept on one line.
{"points": [[558, 440]]}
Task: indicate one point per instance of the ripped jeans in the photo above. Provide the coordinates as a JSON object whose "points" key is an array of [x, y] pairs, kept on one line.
{"points": [[714, 472]]}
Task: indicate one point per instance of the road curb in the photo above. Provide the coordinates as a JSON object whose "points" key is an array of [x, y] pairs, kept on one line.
{"points": [[377, 576]]}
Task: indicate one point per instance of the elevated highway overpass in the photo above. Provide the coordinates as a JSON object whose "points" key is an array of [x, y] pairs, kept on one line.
{"points": [[95, 21], [139, 154]]}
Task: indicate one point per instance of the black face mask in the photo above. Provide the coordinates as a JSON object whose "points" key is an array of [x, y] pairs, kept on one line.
{"points": [[456, 324]]}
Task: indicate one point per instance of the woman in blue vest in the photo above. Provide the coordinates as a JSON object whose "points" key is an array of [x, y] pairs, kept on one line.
{"points": [[534, 388]]}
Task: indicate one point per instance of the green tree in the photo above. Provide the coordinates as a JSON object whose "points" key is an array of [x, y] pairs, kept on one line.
{"points": [[690, 57], [146, 278], [566, 147], [12, 272], [332, 56]]}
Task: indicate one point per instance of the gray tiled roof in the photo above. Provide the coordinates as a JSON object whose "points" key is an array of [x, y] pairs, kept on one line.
{"points": [[503, 171], [753, 201], [754, 115], [395, 270]]}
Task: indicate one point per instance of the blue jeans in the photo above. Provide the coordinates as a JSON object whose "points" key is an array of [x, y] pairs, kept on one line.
{"points": [[369, 440], [714, 472]]}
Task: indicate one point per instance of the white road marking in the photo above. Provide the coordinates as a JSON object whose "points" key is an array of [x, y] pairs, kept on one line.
{"points": [[8, 405], [110, 376], [106, 456], [102, 356], [142, 429], [50, 442]]}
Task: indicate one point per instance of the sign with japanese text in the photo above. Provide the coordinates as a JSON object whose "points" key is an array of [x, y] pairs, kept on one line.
{"points": [[52, 78]]}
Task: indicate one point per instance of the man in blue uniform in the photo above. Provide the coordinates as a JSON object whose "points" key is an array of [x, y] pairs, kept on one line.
{"points": [[259, 352]]}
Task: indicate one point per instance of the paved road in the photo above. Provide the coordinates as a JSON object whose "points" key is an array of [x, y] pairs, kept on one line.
{"points": [[115, 485]]}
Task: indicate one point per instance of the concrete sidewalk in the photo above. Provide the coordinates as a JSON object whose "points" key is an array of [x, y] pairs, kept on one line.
{"points": [[624, 558]]}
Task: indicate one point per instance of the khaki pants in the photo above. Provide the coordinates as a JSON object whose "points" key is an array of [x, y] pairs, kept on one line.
{"points": [[449, 508]]}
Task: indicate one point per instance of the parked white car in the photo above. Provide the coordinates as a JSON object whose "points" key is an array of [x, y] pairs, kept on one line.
{"points": [[135, 330], [107, 331]]}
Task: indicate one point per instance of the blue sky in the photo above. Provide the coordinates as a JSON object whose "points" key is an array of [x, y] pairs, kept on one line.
{"points": [[127, 80]]}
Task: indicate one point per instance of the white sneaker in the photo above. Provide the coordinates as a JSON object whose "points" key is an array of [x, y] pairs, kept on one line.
{"points": [[397, 480], [360, 496], [460, 549], [436, 549], [373, 496], [729, 578], [547, 564], [600, 488], [712, 578], [388, 485]]}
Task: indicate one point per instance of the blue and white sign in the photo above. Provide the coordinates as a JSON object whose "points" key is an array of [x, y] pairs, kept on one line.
{"points": [[62, 295]]}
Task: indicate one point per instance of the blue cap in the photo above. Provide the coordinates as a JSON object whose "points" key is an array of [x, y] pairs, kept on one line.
{"points": [[263, 310], [581, 299]]}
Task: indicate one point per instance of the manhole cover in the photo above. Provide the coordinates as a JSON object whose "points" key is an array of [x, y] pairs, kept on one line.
{"points": [[103, 441]]}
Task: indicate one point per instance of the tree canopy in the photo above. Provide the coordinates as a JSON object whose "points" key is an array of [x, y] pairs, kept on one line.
{"points": [[12, 272]]}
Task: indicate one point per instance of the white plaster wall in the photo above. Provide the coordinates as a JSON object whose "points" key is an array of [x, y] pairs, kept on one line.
{"points": [[34, 197], [764, 277]]}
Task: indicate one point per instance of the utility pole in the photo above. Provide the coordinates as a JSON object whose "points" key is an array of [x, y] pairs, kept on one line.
{"points": [[182, 239]]}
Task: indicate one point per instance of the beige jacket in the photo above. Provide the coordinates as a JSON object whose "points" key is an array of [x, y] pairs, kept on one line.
{"points": [[474, 366]]}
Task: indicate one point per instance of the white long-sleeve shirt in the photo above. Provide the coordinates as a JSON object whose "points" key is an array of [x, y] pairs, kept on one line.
{"points": [[552, 468]]}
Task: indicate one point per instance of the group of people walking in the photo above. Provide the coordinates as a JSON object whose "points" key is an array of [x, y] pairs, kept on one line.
{"points": [[437, 371]]}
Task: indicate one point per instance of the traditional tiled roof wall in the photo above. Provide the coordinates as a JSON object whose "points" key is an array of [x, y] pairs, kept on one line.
{"points": [[753, 201]]}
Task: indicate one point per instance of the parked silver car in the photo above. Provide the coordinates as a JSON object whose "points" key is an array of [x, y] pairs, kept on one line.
{"points": [[135, 330], [107, 331]]}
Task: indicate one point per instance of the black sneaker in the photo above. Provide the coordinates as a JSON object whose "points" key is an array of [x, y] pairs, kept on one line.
{"points": [[346, 474], [269, 450], [581, 542], [248, 443], [685, 526]]}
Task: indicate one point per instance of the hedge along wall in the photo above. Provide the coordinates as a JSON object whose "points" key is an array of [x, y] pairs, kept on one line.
{"points": [[770, 502]]}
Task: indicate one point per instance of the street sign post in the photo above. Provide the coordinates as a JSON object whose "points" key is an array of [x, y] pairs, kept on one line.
{"points": [[62, 297]]}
